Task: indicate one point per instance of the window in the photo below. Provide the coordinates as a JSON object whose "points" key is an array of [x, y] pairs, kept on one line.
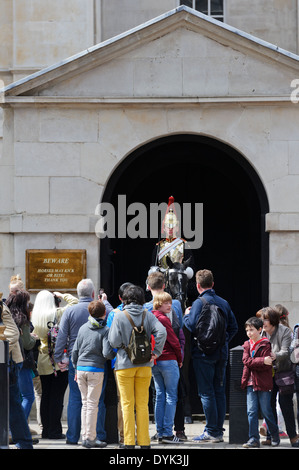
{"points": [[212, 8]]}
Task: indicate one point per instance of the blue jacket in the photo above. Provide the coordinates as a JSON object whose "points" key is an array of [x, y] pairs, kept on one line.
{"points": [[109, 323], [191, 318]]}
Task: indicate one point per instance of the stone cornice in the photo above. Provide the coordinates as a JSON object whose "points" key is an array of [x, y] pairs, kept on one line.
{"points": [[152, 101]]}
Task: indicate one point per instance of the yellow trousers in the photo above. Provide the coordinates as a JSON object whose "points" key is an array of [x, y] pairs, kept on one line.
{"points": [[133, 386]]}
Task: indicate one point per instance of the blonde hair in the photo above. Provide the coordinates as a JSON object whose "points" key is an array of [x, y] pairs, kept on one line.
{"points": [[44, 310], [160, 298], [16, 283]]}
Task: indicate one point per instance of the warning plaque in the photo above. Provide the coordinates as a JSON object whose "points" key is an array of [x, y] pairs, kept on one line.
{"points": [[55, 270]]}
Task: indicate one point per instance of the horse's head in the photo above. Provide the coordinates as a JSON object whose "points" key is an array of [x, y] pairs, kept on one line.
{"points": [[178, 275]]}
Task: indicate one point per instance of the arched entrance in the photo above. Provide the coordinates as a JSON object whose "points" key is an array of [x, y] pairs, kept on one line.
{"points": [[196, 169]]}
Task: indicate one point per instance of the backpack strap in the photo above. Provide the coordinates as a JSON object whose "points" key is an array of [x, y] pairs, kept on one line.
{"points": [[131, 321], [129, 318], [139, 330]]}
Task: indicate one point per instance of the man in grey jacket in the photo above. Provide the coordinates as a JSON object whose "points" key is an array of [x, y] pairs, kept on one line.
{"points": [[72, 319]]}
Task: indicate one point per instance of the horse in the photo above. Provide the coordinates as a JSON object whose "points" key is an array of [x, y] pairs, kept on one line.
{"points": [[176, 279]]}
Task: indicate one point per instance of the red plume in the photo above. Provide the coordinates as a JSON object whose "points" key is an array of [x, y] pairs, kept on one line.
{"points": [[170, 200]]}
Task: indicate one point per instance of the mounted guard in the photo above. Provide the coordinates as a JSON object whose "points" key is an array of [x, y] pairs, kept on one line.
{"points": [[171, 246], [169, 256]]}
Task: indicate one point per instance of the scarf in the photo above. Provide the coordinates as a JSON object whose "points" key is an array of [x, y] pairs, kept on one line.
{"points": [[97, 322]]}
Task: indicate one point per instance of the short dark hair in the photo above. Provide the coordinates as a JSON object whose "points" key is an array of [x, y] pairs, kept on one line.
{"points": [[123, 287], [256, 322], [97, 309], [268, 313], [133, 294]]}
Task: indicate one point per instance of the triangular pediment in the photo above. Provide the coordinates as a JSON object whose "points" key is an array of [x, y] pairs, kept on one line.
{"points": [[180, 54]]}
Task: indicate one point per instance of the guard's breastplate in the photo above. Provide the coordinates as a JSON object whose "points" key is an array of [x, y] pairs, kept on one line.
{"points": [[176, 254]]}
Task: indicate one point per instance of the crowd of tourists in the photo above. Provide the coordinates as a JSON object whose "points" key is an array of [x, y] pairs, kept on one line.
{"points": [[70, 341]]}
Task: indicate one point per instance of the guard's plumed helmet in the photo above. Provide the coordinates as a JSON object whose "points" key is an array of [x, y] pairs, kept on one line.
{"points": [[170, 220]]}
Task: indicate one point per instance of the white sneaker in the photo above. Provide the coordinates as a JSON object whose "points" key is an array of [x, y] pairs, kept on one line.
{"points": [[205, 437]]}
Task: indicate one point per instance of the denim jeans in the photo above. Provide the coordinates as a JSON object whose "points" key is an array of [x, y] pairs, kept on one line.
{"points": [[262, 400], [19, 428], [27, 390], [210, 379], [166, 377], [74, 409]]}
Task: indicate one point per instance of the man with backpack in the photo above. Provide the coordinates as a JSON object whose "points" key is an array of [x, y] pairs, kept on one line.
{"points": [[133, 377], [212, 325]]}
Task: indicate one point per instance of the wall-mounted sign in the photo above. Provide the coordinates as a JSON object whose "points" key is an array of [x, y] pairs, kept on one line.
{"points": [[55, 270]]}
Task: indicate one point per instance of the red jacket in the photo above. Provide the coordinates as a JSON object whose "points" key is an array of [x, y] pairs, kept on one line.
{"points": [[261, 373], [172, 348]]}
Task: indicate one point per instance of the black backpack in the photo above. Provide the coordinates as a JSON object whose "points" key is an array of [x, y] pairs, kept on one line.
{"points": [[210, 329], [139, 348]]}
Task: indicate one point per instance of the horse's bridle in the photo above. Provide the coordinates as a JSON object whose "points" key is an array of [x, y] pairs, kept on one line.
{"points": [[181, 294]]}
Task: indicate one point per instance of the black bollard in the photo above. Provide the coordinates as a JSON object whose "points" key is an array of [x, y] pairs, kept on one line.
{"points": [[238, 422], [4, 388]]}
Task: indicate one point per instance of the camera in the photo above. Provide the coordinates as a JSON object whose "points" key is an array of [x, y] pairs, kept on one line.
{"points": [[101, 292], [57, 300]]}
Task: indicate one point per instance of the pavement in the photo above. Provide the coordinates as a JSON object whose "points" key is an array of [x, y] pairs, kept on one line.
{"points": [[188, 448]]}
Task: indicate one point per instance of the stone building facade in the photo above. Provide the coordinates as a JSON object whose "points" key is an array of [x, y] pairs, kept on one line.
{"points": [[176, 102]]}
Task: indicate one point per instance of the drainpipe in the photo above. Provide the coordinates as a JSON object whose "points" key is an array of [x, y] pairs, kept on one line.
{"points": [[97, 21]]}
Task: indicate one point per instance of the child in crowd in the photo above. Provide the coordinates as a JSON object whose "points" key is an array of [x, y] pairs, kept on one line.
{"points": [[257, 377], [90, 351], [166, 373]]}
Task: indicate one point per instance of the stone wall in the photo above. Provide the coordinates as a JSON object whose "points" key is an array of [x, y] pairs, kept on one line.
{"points": [[61, 143]]}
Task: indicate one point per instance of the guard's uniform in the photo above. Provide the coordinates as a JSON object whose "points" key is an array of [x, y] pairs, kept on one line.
{"points": [[172, 248]]}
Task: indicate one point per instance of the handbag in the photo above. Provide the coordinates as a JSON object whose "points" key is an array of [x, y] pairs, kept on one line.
{"points": [[285, 381]]}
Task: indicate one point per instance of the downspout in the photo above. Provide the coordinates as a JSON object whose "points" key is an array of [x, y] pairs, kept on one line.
{"points": [[97, 21]]}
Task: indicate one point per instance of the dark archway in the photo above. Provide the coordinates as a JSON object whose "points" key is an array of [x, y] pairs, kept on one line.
{"points": [[196, 168]]}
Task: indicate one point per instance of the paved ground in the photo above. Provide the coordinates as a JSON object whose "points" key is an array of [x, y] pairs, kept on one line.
{"points": [[188, 447]]}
